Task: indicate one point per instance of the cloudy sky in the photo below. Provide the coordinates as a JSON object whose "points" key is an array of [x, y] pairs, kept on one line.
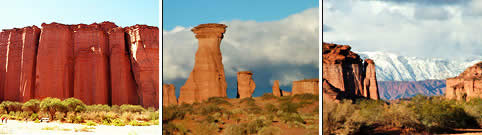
{"points": [[279, 46], [422, 28]]}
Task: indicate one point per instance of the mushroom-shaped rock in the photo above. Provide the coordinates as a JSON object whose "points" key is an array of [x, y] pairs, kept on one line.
{"points": [[246, 84]]}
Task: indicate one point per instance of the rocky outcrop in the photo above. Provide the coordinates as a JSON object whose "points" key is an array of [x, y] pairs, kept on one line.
{"points": [[207, 78], [88, 62], [143, 42], [168, 95], [276, 89], [467, 85], [345, 71], [306, 86], [122, 80], [246, 84], [285, 93]]}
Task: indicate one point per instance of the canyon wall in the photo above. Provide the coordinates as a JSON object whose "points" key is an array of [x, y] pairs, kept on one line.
{"points": [[467, 85], [306, 86], [88, 62], [207, 78], [169, 95], [345, 75]]}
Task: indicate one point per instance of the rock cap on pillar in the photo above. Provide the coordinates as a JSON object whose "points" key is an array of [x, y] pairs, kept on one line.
{"points": [[209, 30]]}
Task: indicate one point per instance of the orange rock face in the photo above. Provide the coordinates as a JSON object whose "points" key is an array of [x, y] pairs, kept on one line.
{"points": [[345, 71], [144, 49], [246, 84], [3, 60], [207, 79], [30, 37], [14, 60], [122, 83], [306, 86], [91, 78], [168, 95], [55, 62], [276, 89], [467, 85], [285, 93]]}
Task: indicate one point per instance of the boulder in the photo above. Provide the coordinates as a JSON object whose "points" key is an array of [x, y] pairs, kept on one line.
{"points": [[143, 42], [169, 95], [467, 85], [246, 84], [207, 78], [276, 89]]}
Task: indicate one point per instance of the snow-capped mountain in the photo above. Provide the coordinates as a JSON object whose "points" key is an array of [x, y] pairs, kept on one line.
{"points": [[392, 67]]}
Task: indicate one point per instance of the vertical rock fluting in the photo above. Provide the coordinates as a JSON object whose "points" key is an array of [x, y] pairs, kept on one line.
{"points": [[276, 89], [305, 86], [467, 85], [207, 78], [144, 49], [246, 84], [30, 37], [345, 72], [91, 80], [370, 86], [14, 59], [3, 60], [122, 81], [55, 62], [169, 95]]}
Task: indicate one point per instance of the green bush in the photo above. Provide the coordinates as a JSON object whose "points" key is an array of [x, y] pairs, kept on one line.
{"points": [[289, 107], [206, 129], [217, 101], [234, 130], [98, 108], [52, 105], [9, 106], [306, 96], [270, 107], [270, 130], [34, 116], [172, 112], [253, 127], [131, 108], [59, 116], [118, 122], [33, 105], [137, 123], [90, 123], [247, 100], [74, 105], [267, 96], [210, 108]]}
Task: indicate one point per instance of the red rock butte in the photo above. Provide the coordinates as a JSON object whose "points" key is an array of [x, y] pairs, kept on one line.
{"points": [[467, 85], [207, 78], [305, 86], [345, 75], [97, 63]]}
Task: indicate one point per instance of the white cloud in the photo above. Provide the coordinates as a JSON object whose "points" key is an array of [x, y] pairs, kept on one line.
{"points": [[250, 45]]}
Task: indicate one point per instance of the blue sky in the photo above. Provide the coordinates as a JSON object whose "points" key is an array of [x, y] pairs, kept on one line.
{"points": [[21, 13], [193, 12]]}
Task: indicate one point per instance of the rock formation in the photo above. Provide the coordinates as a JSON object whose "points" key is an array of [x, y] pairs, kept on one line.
{"points": [[345, 71], [285, 93], [168, 95], [305, 86], [207, 78], [246, 84], [276, 89], [144, 53], [88, 62], [467, 85], [122, 81]]}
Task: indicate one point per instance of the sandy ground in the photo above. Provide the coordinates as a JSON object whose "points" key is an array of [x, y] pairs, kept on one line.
{"points": [[14, 127]]}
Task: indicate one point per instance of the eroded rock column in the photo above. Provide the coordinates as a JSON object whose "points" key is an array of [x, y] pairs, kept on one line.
{"points": [[207, 78], [246, 84], [30, 37], [14, 60], [168, 95], [3, 60], [55, 62], [122, 80], [144, 54], [276, 89], [370, 86]]}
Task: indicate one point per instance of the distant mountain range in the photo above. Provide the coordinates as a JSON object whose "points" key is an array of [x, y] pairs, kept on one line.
{"points": [[404, 77]]}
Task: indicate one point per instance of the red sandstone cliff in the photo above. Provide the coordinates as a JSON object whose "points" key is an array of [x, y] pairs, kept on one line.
{"points": [[246, 84], [169, 95], [89, 62], [207, 78], [345, 74], [276, 89], [306, 86], [467, 85]]}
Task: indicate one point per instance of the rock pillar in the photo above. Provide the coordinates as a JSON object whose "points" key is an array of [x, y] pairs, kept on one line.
{"points": [[168, 95], [276, 89], [246, 84], [370, 86], [30, 37]]}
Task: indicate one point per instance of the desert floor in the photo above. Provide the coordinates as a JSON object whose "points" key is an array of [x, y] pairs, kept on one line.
{"points": [[26, 128]]}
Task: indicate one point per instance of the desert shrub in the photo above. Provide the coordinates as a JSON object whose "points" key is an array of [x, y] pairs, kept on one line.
{"points": [[253, 127], [37, 121], [336, 115], [154, 115], [131, 108], [172, 112], [51, 105], [210, 108], [253, 109], [306, 96], [234, 130], [171, 129], [9, 106], [98, 108], [474, 108], [128, 116], [247, 100], [270, 107], [33, 105], [34, 116], [118, 122], [74, 105], [400, 116], [73, 118], [90, 123], [217, 101], [267, 96], [291, 117], [288, 106], [59, 116], [285, 99], [206, 129], [108, 117], [369, 111], [154, 122], [137, 123], [115, 108]]}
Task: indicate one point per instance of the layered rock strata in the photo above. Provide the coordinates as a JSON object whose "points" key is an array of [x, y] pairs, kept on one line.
{"points": [[305, 86], [89, 62], [467, 85], [346, 72], [169, 95], [276, 89], [246, 84], [207, 78]]}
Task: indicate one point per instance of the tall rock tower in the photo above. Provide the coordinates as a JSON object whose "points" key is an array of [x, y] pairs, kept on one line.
{"points": [[207, 79]]}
